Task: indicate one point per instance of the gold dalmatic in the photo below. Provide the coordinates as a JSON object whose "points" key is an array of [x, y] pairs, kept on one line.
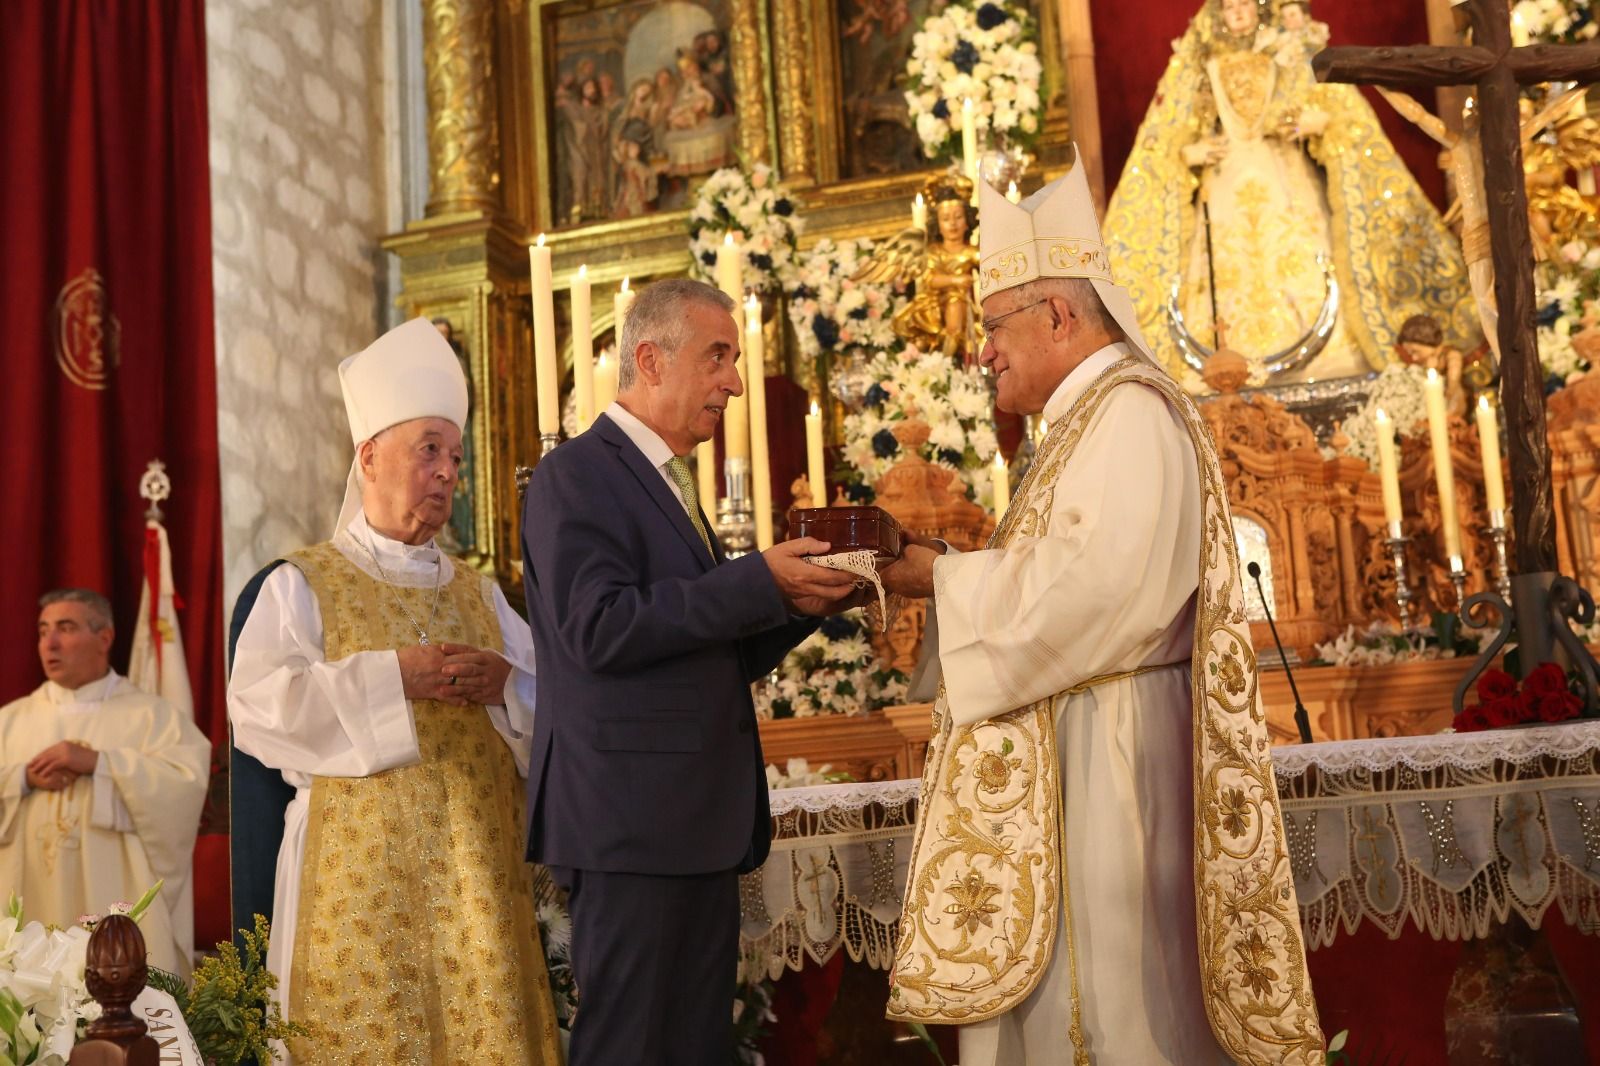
{"points": [[988, 863], [417, 941]]}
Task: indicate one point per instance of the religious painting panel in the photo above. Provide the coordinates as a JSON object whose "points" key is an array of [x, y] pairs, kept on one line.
{"points": [[640, 102]]}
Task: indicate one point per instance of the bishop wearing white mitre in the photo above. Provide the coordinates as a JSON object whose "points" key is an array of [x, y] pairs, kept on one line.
{"points": [[394, 689], [1099, 759], [101, 787]]}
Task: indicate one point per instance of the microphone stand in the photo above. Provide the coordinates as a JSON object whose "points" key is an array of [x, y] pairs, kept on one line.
{"points": [[1302, 720]]}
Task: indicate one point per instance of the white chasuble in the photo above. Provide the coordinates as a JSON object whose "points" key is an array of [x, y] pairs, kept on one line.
{"points": [[1058, 857], [112, 834]]}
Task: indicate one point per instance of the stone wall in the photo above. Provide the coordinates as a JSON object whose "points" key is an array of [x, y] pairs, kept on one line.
{"points": [[300, 198]]}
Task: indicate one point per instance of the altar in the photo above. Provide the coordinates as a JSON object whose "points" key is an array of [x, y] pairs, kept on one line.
{"points": [[1428, 856]]}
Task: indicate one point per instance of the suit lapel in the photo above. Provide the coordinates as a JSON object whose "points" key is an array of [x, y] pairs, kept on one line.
{"points": [[655, 486]]}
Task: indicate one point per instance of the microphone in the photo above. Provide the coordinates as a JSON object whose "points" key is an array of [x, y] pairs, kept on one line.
{"points": [[1302, 720]]}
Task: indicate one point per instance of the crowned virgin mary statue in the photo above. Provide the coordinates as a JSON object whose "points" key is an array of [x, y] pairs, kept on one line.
{"points": [[1258, 199]]}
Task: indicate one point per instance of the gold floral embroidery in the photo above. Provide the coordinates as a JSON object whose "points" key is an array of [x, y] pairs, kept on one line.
{"points": [[994, 769], [1235, 812], [1231, 672], [972, 907], [1255, 964]]}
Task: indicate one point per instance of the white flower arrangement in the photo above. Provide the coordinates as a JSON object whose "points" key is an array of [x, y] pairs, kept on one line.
{"points": [[1556, 21], [952, 399], [761, 215], [1398, 393], [984, 52], [797, 773], [831, 311], [1569, 287], [833, 671]]}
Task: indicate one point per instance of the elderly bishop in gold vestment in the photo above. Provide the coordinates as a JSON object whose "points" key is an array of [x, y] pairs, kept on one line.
{"points": [[1099, 873], [393, 688]]}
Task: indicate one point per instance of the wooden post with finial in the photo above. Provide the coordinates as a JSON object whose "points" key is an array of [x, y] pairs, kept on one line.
{"points": [[115, 972]]}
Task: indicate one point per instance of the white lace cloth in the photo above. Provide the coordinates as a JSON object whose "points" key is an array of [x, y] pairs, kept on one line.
{"points": [[1449, 833], [864, 565], [840, 858]]}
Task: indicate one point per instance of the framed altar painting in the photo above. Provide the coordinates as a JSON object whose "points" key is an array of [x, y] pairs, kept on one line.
{"points": [[640, 101]]}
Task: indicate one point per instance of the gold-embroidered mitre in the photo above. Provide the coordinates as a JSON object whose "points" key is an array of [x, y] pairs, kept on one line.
{"points": [[1051, 234]]}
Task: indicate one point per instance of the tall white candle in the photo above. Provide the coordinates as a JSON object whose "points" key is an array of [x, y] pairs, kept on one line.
{"points": [[605, 383], [619, 309], [1388, 468], [1000, 480], [919, 213], [546, 378], [969, 141], [1439, 434], [816, 473], [760, 470], [582, 349], [705, 472], [730, 269], [1494, 482], [1519, 30]]}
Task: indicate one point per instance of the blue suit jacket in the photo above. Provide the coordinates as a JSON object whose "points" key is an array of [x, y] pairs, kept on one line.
{"points": [[646, 757]]}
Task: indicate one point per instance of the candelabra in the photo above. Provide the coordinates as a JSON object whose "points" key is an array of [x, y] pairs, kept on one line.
{"points": [[736, 519], [1396, 542], [547, 443], [1502, 565]]}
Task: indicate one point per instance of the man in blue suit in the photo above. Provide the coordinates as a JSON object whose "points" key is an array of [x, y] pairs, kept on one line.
{"points": [[646, 784]]}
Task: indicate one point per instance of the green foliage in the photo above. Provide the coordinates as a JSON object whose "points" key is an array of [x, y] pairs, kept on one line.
{"points": [[230, 1010], [927, 1037]]}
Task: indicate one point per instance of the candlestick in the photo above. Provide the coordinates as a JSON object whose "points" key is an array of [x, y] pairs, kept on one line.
{"points": [[1000, 479], [546, 378], [919, 213], [1388, 469], [582, 349], [760, 469], [619, 309], [814, 469], [735, 526], [1502, 564], [705, 471], [1443, 472], [1458, 578], [1494, 485], [969, 143], [1396, 543]]}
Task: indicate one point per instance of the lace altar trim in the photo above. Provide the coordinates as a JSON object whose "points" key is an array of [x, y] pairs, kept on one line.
{"points": [[1465, 751], [840, 858], [844, 798]]}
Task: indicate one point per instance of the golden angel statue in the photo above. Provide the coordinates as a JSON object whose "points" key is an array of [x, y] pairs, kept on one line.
{"points": [[1257, 196], [942, 261]]}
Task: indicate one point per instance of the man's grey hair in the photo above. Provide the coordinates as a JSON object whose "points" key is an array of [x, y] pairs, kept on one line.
{"points": [[657, 316], [99, 606], [1080, 296]]}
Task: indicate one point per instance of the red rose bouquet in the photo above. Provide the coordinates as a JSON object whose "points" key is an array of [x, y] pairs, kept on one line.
{"points": [[1544, 696]]}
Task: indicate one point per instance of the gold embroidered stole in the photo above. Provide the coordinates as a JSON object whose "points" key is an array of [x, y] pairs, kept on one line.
{"points": [[979, 922], [417, 940]]}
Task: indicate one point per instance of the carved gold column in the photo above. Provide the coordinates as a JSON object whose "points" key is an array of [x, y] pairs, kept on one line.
{"points": [[744, 41], [463, 137], [792, 33]]}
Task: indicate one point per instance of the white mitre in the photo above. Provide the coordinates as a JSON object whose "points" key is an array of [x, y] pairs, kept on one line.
{"points": [[1052, 234], [409, 372]]}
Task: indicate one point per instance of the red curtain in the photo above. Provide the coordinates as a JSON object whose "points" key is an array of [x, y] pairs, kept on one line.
{"points": [[1131, 54], [105, 293]]}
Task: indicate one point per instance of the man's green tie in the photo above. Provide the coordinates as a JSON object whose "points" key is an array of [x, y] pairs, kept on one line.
{"points": [[678, 470]]}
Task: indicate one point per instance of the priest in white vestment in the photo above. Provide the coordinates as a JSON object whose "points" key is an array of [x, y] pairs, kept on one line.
{"points": [[101, 786], [394, 690], [1052, 900]]}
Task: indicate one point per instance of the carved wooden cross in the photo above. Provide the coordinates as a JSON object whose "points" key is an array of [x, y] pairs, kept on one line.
{"points": [[1497, 69]]}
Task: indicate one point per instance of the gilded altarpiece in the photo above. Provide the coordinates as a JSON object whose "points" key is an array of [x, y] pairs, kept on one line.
{"points": [[507, 79]]}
